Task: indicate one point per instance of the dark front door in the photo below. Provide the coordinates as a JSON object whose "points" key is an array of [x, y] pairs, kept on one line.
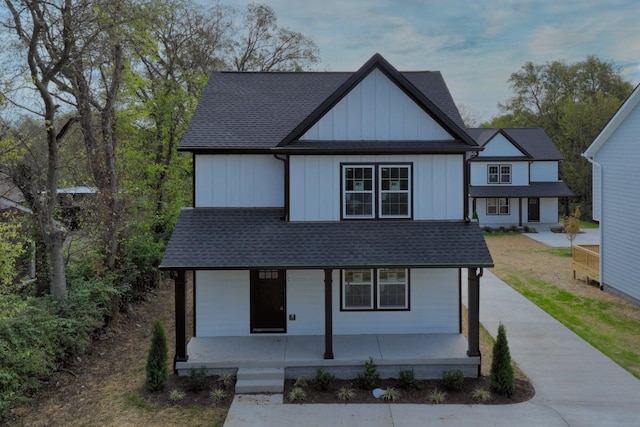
{"points": [[534, 210], [268, 301]]}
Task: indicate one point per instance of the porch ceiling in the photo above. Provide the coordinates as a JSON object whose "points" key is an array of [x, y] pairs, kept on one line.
{"points": [[242, 238]]}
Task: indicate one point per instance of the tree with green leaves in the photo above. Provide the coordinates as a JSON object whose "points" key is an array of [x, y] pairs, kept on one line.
{"points": [[501, 375], [572, 102], [572, 226], [156, 368]]}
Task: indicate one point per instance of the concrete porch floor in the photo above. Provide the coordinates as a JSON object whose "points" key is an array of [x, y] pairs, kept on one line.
{"points": [[429, 354]]}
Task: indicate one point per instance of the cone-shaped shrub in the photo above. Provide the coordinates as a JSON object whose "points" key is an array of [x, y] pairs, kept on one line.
{"points": [[157, 359], [501, 376]]}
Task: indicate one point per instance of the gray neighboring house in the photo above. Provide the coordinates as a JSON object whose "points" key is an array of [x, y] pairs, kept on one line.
{"points": [[329, 207], [615, 156], [515, 179]]}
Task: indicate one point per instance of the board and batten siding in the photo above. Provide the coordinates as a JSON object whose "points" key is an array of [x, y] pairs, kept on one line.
{"points": [[619, 158], [480, 172], [544, 171], [499, 146], [315, 191], [234, 180], [376, 109], [223, 305]]}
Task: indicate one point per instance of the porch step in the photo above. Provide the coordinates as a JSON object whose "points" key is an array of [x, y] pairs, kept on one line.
{"points": [[260, 380]]}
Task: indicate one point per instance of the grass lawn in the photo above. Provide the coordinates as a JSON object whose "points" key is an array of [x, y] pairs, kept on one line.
{"points": [[544, 276], [589, 224]]}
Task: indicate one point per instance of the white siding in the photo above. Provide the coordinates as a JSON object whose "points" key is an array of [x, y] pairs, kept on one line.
{"points": [[519, 172], [548, 210], [619, 158], [376, 109], [305, 299], [544, 171], [222, 303], [597, 192], [512, 218], [315, 185], [233, 180], [500, 146]]}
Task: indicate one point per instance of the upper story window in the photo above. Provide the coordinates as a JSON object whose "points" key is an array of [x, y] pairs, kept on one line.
{"points": [[376, 191], [499, 174]]}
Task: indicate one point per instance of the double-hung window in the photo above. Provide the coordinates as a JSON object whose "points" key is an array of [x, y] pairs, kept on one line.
{"points": [[498, 206], [376, 191], [499, 174], [375, 289]]}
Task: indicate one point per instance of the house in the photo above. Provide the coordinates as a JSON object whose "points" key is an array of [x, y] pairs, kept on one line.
{"points": [[514, 180], [615, 155], [328, 225]]}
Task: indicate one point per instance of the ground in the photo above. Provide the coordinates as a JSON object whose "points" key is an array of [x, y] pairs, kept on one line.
{"points": [[106, 386]]}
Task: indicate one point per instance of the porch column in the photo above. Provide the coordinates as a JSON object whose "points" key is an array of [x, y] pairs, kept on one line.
{"points": [[179, 278], [473, 294], [520, 211], [328, 314]]}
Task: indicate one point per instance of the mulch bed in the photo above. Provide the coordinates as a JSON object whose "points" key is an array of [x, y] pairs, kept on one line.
{"points": [[198, 397]]}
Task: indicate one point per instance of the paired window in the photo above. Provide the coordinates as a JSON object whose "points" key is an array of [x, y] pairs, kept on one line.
{"points": [[376, 191], [499, 174], [375, 289], [497, 206]]}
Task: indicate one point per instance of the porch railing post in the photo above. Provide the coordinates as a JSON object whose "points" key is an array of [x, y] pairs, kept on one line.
{"points": [[181, 317], [473, 283], [328, 314]]}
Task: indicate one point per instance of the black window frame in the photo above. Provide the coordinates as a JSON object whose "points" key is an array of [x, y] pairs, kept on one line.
{"points": [[375, 291], [499, 175], [498, 206]]}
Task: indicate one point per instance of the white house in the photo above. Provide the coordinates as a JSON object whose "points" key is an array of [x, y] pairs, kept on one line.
{"points": [[329, 211], [514, 180], [615, 156]]}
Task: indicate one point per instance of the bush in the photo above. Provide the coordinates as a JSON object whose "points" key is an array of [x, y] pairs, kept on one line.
{"points": [[481, 395], [408, 379], [176, 396], [346, 394], [436, 396], [371, 374], [324, 379], [453, 380], [501, 375], [197, 379], [390, 395], [297, 394], [217, 395], [157, 372]]}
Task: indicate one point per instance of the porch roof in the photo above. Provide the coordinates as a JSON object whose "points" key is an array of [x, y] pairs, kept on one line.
{"points": [[535, 189], [245, 238]]}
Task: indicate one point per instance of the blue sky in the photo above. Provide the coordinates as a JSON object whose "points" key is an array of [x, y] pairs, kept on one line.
{"points": [[475, 44]]}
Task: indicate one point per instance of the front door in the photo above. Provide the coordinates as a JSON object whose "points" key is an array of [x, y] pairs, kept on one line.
{"points": [[534, 210], [268, 301]]}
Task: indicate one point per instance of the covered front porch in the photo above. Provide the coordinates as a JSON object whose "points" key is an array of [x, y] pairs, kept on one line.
{"points": [[300, 355]]}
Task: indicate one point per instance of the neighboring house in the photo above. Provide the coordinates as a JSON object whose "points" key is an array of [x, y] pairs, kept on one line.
{"points": [[514, 180], [329, 208], [615, 155]]}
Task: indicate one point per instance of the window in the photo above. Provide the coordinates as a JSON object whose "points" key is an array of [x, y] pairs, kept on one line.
{"points": [[498, 206], [381, 289], [376, 191], [499, 174]]}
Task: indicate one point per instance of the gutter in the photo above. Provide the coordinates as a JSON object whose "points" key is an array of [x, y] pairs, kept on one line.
{"points": [[593, 162]]}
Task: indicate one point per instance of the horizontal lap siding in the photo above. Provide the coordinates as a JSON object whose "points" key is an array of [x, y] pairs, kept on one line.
{"points": [[620, 160]]}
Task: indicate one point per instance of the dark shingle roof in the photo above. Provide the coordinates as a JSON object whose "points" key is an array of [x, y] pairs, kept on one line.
{"points": [[533, 141], [535, 189], [258, 110], [241, 238]]}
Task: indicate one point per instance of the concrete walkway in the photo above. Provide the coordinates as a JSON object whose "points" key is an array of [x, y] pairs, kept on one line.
{"points": [[575, 384], [587, 236]]}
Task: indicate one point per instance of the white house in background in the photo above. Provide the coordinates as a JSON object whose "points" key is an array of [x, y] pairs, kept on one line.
{"points": [[328, 206], [514, 180], [615, 156]]}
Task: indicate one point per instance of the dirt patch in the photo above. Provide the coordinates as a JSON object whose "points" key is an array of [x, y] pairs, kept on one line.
{"points": [[523, 392]]}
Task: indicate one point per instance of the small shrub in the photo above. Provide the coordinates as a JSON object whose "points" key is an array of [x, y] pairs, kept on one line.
{"points": [[217, 395], [226, 380], [390, 395], [300, 382], [436, 396], [487, 229], [502, 229], [453, 380], [513, 228], [408, 379], [176, 396], [297, 394], [346, 394], [197, 379], [481, 395], [324, 379], [156, 367], [501, 375], [371, 374], [474, 215], [526, 229]]}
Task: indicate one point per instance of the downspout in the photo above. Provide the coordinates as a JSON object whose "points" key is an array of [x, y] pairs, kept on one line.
{"points": [[285, 161], [593, 162]]}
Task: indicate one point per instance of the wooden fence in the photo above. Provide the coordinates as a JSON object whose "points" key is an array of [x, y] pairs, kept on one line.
{"points": [[586, 262]]}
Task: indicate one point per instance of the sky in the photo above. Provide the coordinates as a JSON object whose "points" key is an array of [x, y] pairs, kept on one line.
{"points": [[476, 45]]}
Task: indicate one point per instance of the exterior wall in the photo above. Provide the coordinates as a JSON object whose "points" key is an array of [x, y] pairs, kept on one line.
{"points": [[376, 109], [223, 305], [544, 172], [548, 211], [438, 183], [619, 158], [519, 172], [500, 146], [597, 192], [234, 180]]}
